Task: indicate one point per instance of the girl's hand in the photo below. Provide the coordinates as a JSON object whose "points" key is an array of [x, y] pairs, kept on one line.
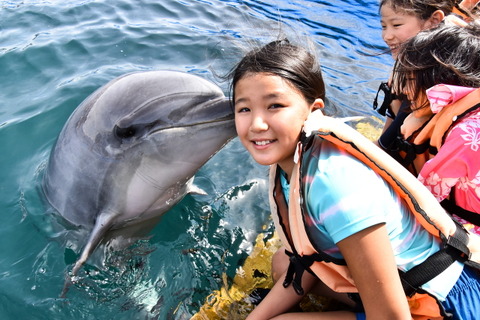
{"points": [[281, 300]]}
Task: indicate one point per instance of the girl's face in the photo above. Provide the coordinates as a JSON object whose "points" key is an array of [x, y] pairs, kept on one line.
{"points": [[398, 26], [269, 116]]}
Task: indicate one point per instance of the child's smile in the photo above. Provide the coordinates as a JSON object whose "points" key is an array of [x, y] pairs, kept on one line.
{"points": [[269, 116]]}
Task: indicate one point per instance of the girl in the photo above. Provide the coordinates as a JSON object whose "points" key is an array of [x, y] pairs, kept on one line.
{"points": [[402, 20], [448, 56], [351, 213]]}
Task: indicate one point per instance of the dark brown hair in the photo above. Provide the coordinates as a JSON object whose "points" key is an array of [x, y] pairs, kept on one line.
{"points": [[446, 54], [422, 9], [281, 58]]}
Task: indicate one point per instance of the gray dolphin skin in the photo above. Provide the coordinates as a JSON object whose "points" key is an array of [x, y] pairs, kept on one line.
{"points": [[129, 152]]}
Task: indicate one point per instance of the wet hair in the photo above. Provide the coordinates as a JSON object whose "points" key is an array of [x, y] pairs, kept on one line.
{"points": [[448, 54], [290, 62], [422, 9]]}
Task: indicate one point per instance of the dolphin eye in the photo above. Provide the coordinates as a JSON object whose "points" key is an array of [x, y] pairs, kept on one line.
{"points": [[125, 133]]}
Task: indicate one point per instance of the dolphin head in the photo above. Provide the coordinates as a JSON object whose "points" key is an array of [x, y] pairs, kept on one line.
{"points": [[131, 147]]}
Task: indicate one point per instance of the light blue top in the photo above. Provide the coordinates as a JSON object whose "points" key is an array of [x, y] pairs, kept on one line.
{"points": [[344, 196]]}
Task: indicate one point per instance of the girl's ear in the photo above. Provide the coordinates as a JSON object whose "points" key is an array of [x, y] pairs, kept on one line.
{"points": [[435, 18], [318, 104]]}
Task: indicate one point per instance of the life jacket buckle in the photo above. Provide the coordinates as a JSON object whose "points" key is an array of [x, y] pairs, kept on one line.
{"points": [[459, 241]]}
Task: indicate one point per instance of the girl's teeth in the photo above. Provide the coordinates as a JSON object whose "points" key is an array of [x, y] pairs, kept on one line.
{"points": [[262, 143]]}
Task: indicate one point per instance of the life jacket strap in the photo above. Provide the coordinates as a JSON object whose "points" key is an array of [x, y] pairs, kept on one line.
{"points": [[296, 268], [455, 249], [435, 264], [405, 151], [411, 149], [451, 207], [386, 108], [459, 241]]}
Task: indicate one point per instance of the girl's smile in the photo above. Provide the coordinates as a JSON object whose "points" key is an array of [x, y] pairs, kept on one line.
{"points": [[263, 143], [269, 116], [399, 26]]}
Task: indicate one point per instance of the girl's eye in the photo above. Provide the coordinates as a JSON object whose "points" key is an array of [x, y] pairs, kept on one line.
{"points": [[244, 109], [276, 106]]}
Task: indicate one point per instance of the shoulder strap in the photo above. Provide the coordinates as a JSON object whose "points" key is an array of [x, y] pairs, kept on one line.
{"points": [[451, 207], [433, 265], [440, 124]]}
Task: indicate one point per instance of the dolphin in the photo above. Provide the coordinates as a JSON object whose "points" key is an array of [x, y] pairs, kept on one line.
{"points": [[130, 150]]}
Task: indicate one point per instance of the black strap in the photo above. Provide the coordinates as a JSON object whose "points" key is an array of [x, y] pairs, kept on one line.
{"points": [[411, 280], [299, 264], [453, 208], [385, 108], [295, 271], [429, 269], [459, 241], [393, 142], [411, 149], [455, 249]]}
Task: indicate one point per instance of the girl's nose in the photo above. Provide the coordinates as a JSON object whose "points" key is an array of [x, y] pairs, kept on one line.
{"points": [[258, 123], [387, 34], [408, 93]]}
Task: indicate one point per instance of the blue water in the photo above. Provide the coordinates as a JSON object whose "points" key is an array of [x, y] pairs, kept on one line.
{"points": [[53, 54]]}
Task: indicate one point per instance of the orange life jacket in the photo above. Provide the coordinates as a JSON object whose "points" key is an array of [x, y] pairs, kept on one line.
{"points": [[423, 144], [413, 151], [335, 274]]}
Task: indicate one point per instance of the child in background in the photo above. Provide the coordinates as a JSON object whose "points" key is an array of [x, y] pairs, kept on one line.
{"points": [[353, 213], [439, 71], [402, 20]]}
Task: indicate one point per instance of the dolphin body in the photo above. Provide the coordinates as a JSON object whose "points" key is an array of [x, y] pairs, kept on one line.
{"points": [[129, 152]]}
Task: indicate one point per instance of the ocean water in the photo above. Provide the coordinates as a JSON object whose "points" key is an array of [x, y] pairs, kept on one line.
{"points": [[53, 54]]}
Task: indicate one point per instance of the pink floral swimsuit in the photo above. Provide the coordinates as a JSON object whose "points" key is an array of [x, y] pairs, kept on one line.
{"points": [[457, 165]]}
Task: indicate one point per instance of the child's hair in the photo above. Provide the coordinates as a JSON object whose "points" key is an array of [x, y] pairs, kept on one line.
{"points": [[448, 54], [422, 9], [281, 58]]}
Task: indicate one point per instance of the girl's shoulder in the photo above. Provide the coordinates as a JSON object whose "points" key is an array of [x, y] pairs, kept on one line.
{"points": [[324, 152], [471, 118], [332, 166], [467, 130]]}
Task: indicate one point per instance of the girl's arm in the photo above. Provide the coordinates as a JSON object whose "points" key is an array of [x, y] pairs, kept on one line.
{"points": [[370, 259], [372, 264], [280, 300]]}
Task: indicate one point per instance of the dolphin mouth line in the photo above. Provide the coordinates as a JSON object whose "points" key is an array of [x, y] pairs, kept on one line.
{"points": [[225, 119]]}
